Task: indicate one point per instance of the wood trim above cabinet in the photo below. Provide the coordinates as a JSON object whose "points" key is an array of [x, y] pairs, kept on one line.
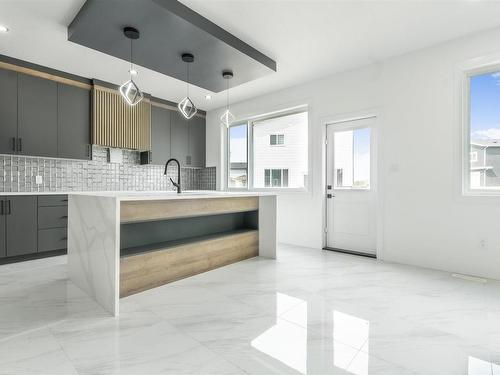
{"points": [[116, 124], [45, 75]]}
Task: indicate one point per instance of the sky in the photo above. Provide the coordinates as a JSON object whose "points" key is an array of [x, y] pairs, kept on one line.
{"points": [[485, 106]]}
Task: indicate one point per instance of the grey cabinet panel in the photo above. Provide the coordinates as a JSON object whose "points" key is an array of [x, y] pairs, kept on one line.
{"points": [[197, 141], [52, 217], [8, 111], [160, 134], [52, 239], [21, 226], [179, 138], [52, 200], [37, 116], [3, 252], [73, 122]]}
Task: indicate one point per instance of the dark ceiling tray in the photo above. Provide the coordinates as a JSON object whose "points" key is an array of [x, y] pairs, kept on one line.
{"points": [[168, 29]]}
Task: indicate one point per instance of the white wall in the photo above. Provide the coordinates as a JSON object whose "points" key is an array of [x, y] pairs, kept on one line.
{"points": [[426, 221]]}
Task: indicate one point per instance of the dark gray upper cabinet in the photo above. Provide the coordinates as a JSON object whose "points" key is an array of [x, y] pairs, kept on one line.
{"points": [[197, 141], [8, 111], [3, 252], [73, 122], [160, 134], [21, 225], [37, 116], [179, 138]]}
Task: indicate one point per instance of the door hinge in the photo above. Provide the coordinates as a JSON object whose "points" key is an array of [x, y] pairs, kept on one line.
{"points": [[326, 141], [326, 230]]}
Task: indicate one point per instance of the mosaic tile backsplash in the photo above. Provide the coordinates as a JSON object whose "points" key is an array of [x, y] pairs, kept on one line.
{"points": [[18, 174]]}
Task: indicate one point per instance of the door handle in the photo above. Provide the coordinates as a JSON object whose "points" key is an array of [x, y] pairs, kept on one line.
{"points": [[13, 140], [1, 207], [9, 211], [19, 144], [329, 196]]}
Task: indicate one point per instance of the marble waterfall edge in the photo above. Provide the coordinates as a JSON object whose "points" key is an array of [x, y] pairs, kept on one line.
{"points": [[93, 248]]}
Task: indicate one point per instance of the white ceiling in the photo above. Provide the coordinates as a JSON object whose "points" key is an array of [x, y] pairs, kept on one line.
{"points": [[308, 39]]}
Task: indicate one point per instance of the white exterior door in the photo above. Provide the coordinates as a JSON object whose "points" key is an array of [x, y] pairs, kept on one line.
{"points": [[351, 187]]}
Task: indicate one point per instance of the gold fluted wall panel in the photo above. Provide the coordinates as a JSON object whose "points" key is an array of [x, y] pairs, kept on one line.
{"points": [[116, 124]]}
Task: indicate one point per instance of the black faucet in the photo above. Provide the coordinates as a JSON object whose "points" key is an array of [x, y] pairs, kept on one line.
{"points": [[178, 184]]}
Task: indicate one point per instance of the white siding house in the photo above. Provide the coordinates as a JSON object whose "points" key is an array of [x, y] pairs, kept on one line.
{"points": [[280, 147]]}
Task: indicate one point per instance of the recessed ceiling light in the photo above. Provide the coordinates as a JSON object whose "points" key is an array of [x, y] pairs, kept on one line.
{"points": [[4, 29], [208, 97]]}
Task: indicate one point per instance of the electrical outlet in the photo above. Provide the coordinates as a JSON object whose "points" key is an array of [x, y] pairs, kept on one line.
{"points": [[483, 244], [39, 180]]}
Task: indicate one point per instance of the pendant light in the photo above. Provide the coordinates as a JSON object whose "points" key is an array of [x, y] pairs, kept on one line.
{"points": [[227, 117], [129, 90], [186, 106]]}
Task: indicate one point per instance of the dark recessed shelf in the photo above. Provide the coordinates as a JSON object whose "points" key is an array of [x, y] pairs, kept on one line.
{"points": [[126, 252]]}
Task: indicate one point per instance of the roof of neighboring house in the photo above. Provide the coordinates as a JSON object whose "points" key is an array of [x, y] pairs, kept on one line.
{"points": [[486, 142]]}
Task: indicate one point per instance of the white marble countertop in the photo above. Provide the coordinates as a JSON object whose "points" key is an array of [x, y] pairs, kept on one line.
{"points": [[164, 195]]}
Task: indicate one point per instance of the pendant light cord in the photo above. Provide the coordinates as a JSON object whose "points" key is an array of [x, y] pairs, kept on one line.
{"points": [[187, 78], [131, 66], [227, 94]]}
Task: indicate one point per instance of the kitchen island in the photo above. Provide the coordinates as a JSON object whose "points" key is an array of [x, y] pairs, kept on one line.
{"points": [[122, 243]]}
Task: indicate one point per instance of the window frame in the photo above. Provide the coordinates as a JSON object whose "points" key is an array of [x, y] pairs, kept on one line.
{"points": [[467, 71], [250, 156]]}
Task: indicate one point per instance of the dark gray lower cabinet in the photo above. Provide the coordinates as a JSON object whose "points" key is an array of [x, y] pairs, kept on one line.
{"points": [[8, 111], [160, 134], [52, 239], [21, 225], [37, 116], [3, 252], [73, 122]]}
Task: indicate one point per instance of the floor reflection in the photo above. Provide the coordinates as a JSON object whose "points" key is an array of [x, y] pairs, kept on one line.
{"points": [[480, 367], [289, 343]]}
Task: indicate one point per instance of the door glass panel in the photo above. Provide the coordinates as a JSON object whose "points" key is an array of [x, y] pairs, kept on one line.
{"points": [[352, 159]]}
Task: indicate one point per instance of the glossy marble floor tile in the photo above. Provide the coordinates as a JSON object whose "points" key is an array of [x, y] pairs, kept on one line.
{"points": [[310, 312]]}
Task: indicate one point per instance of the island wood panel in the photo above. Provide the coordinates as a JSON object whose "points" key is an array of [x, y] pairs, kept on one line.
{"points": [[149, 270], [134, 211]]}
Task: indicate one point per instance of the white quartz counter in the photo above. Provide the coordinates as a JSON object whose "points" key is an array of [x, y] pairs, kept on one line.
{"points": [[156, 195]]}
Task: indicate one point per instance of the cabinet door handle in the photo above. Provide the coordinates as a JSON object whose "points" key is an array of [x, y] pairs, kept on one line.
{"points": [[1, 207], [64, 238], [13, 140], [64, 217], [9, 208], [19, 144]]}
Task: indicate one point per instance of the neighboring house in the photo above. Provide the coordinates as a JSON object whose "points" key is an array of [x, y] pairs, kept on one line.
{"points": [[484, 163], [280, 152]]}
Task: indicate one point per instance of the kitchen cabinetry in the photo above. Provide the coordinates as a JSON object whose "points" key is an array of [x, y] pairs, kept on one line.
{"points": [[37, 116], [160, 130], [175, 137], [8, 111], [40, 117], [197, 141], [179, 141], [73, 122], [31, 225], [20, 225]]}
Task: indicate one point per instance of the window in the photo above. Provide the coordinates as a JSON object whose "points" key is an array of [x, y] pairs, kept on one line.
{"points": [[352, 159], [238, 156], [473, 156], [276, 139], [285, 166], [484, 132], [255, 161], [276, 177]]}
